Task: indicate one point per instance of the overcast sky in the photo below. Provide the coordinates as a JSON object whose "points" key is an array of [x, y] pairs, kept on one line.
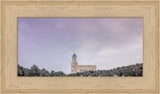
{"points": [[106, 42]]}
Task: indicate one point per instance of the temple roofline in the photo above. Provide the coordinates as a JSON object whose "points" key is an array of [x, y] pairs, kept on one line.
{"points": [[86, 65]]}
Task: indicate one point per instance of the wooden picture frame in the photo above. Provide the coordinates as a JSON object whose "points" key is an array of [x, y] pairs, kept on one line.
{"points": [[12, 9]]}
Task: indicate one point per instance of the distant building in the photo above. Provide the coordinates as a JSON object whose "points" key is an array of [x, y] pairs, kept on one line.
{"points": [[80, 68]]}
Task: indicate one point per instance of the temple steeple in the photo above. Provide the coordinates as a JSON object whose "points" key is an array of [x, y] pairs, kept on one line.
{"points": [[74, 57]]}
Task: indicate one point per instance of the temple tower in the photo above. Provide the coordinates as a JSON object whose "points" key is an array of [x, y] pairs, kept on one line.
{"points": [[74, 63]]}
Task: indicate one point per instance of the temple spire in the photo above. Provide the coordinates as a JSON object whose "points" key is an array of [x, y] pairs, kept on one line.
{"points": [[74, 57]]}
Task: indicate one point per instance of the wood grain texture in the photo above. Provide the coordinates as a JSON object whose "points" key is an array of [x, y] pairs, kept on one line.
{"points": [[159, 45], [11, 84], [0, 48], [79, 0]]}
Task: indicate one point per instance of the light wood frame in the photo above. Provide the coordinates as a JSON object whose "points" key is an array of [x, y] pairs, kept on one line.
{"points": [[147, 9]]}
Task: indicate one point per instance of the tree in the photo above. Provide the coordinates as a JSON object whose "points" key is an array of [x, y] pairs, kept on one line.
{"points": [[35, 70], [44, 72], [52, 73], [20, 70]]}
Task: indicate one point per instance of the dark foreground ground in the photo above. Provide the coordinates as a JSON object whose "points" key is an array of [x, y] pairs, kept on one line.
{"points": [[131, 70]]}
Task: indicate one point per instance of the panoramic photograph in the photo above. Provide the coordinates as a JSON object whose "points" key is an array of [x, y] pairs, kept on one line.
{"points": [[80, 47]]}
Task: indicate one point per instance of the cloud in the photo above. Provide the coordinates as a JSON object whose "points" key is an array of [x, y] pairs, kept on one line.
{"points": [[105, 42]]}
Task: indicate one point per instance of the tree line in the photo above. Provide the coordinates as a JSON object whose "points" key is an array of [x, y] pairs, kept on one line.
{"points": [[131, 70]]}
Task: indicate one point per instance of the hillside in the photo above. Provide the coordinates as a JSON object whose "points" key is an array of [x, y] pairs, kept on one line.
{"points": [[131, 70]]}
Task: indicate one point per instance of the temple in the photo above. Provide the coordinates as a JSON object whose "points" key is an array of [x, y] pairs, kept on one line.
{"points": [[80, 68]]}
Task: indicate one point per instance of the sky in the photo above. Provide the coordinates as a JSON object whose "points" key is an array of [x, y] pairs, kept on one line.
{"points": [[105, 42]]}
